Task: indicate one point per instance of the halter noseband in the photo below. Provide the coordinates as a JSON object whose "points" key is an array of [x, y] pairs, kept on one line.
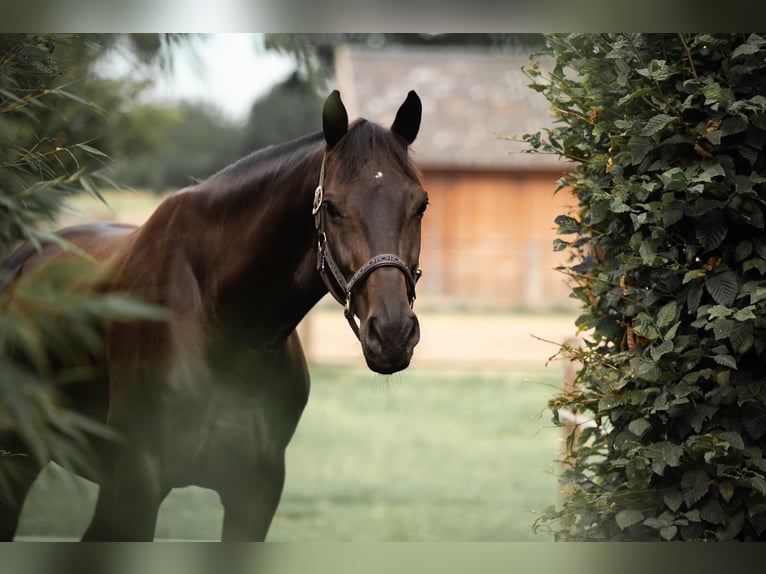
{"points": [[339, 287]]}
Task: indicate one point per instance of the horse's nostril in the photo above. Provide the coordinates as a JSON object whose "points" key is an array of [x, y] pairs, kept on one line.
{"points": [[404, 334], [374, 336], [388, 344], [414, 335]]}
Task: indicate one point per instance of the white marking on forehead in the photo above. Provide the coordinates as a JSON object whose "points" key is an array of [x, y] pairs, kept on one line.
{"points": [[379, 175]]}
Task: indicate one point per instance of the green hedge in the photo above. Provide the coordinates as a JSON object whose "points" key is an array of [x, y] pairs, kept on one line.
{"points": [[666, 136]]}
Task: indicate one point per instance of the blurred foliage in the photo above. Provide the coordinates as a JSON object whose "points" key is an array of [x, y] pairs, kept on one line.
{"points": [[163, 147], [50, 322], [665, 133], [290, 110]]}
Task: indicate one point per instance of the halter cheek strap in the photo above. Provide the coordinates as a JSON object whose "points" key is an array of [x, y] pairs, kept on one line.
{"points": [[335, 282]]}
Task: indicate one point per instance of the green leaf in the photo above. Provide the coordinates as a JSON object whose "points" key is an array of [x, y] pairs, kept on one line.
{"points": [[671, 453], [694, 485], [648, 256], [669, 532], [712, 511], [694, 297], [741, 338], [743, 250], [674, 179], [657, 70], [667, 314], [744, 50], [91, 150], [702, 413], [661, 349], [639, 426], [711, 232], [656, 123], [758, 483], [733, 125], [672, 498], [719, 312], [755, 263], [715, 95], [644, 369], [733, 438], [692, 275], [722, 287], [127, 308], [709, 171], [567, 224], [640, 149], [671, 333], [644, 327], [745, 314], [626, 518]]}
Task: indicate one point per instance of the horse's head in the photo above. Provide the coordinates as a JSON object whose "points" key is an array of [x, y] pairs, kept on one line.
{"points": [[368, 210]]}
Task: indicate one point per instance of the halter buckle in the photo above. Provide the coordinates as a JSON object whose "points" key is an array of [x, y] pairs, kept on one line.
{"points": [[347, 307], [318, 198]]}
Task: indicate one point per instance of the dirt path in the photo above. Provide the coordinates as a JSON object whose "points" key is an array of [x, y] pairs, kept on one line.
{"points": [[449, 339]]}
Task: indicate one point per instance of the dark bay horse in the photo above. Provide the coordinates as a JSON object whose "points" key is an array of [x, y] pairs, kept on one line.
{"points": [[212, 396]]}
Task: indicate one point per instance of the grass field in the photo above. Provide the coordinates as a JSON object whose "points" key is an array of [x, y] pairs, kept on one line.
{"points": [[426, 455]]}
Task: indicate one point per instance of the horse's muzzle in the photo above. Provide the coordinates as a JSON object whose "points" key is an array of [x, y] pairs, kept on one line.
{"points": [[388, 341]]}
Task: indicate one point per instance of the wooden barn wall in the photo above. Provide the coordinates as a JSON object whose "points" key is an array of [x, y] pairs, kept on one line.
{"points": [[487, 240]]}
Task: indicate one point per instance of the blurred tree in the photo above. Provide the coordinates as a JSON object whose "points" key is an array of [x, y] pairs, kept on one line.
{"points": [[315, 53], [164, 147], [290, 110]]}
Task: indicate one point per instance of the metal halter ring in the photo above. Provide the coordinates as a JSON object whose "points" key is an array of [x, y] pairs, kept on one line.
{"points": [[318, 198]]}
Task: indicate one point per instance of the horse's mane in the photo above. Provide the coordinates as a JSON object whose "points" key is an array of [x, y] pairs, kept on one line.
{"points": [[269, 158]]}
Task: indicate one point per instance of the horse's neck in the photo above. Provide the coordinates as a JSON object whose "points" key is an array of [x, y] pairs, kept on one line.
{"points": [[261, 246]]}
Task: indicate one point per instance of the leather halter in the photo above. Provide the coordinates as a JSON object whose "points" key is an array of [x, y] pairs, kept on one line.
{"points": [[338, 286]]}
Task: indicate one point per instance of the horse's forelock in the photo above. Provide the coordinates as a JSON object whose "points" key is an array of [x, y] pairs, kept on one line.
{"points": [[363, 141]]}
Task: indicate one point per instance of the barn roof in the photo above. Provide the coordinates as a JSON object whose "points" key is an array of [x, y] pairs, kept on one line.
{"points": [[471, 99]]}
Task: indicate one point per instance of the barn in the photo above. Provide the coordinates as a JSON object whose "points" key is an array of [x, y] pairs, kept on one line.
{"points": [[488, 234]]}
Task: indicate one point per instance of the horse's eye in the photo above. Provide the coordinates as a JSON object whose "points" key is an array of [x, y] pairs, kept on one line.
{"points": [[331, 210], [422, 209]]}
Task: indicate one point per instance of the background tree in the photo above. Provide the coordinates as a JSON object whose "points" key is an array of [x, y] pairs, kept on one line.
{"points": [[666, 134], [290, 110], [162, 147], [315, 53]]}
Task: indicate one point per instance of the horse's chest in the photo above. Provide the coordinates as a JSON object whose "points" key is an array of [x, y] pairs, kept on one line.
{"points": [[230, 429]]}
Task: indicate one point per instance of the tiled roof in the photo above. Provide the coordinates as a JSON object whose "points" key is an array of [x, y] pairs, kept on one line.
{"points": [[471, 99]]}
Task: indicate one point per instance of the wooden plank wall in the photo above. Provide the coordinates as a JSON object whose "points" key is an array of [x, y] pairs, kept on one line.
{"points": [[487, 240]]}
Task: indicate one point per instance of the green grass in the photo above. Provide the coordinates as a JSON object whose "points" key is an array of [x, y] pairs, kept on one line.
{"points": [[420, 456]]}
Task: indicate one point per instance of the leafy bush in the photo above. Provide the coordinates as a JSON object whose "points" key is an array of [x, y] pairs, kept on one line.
{"points": [[48, 319], [666, 136]]}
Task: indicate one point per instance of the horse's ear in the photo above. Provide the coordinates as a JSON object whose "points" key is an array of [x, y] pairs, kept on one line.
{"points": [[407, 122], [334, 119]]}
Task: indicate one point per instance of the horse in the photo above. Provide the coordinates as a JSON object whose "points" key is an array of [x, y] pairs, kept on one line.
{"points": [[211, 395]]}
